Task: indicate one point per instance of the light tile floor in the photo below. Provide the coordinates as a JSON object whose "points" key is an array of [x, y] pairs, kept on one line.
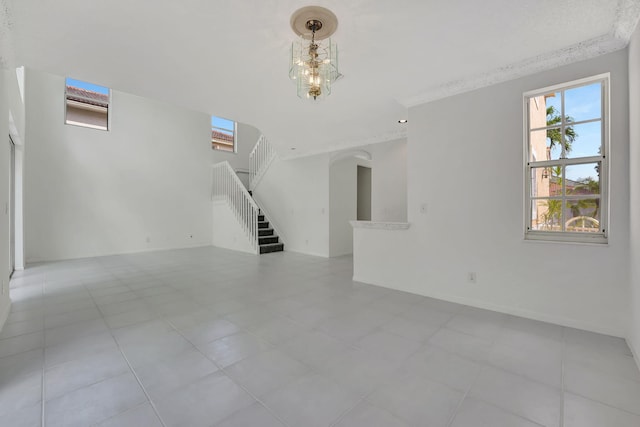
{"points": [[209, 337]]}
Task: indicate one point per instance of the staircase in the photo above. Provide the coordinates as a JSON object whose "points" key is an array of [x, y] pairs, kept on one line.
{"points": [[227, 187], [268, 241]]}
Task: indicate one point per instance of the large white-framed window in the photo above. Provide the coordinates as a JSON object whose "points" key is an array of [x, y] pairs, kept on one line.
{"points": [[87, 104], [566, 161], [223, 134]]}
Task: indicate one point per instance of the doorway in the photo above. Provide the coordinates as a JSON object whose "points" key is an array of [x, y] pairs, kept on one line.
{"points": [[364, 194]]}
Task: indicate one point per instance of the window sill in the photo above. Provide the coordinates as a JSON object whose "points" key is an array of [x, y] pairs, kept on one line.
{"points": [[541, 237]]}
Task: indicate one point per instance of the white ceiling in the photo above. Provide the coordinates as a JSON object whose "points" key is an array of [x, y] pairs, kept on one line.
{"points": [[230, 58]]}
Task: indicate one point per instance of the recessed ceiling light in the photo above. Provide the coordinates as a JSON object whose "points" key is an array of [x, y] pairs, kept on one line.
{"points": [[402, 121]]}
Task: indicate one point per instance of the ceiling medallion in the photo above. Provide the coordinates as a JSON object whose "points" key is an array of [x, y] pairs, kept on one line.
{"points": [[314, 58]]}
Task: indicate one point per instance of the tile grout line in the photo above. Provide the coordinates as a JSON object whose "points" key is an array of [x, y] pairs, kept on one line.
{"points": [[486, 402], [221, 369], [341, 417], [135, 375], [464, 396], [370, 392], [486, 364]]}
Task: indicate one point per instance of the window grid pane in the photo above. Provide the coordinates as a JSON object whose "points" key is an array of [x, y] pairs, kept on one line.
{"points": [[565, 159]]}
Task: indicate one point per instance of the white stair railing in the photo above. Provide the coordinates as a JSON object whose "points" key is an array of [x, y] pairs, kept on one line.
{"points": [[226, 185], [260, 158]]}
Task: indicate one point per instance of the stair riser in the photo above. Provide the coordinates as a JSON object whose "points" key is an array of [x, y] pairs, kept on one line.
{"points": [[267, 240], [269, 249]]}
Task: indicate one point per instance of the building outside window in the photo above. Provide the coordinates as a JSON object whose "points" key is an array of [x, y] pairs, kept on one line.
{"points": [[223, 134], [87, 104], [566, 161]]}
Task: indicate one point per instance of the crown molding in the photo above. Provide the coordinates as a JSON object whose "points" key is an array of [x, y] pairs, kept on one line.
{"points": [[627, 15], [578, 52]]}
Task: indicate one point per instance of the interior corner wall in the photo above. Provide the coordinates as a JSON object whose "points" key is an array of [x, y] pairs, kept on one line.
{"points": [[633, 336], [145, 184], [294, 195], [343, 193], [5, 180], [389, 181], [464, 162]]}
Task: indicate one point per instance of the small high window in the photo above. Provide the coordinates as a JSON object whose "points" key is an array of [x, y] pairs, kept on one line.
{"points": [[566, 161], [87, 104], [223, 134]]}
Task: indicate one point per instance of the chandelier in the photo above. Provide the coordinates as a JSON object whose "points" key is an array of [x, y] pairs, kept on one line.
{"points": [[314, 58]]}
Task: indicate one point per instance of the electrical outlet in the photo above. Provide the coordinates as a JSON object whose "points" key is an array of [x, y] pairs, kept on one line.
{"points": [[472, 277]]}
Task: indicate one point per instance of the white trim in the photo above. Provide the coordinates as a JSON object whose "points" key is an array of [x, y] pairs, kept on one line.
{"points": [[85, 125], [559, 236], [506, 309], [357, 153], [566, 86], [588, 49], [380, 225], [18, 208], [260, 159], [226, 185]]}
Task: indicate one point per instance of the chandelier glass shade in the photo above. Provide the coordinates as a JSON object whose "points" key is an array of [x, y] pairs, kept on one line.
{"points": [[314, 57], [314, 67]]}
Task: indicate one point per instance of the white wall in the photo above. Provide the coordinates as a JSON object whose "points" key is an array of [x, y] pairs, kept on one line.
{"points": [[143, 185], [634, 150], [227, 231], [465, 162], [343, 192], [295, 196], [389, 181]]}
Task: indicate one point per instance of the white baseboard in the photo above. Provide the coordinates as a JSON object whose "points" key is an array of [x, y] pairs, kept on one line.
{"points": [[4, 313], [528, 314]]}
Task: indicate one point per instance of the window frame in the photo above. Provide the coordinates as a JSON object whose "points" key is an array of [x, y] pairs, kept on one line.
{"points": [[235, 136], [569, 236], [87, 125]]}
